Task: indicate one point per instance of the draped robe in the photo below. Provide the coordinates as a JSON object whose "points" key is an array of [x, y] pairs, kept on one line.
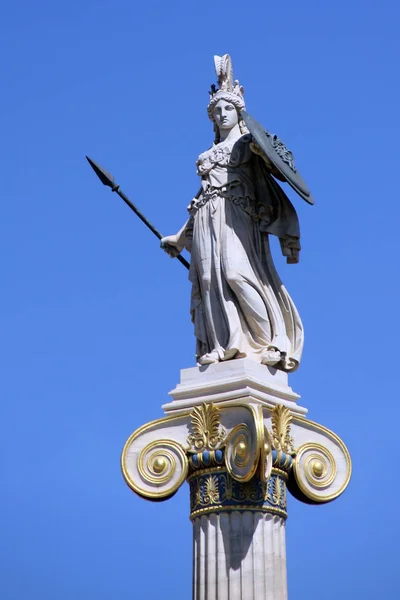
{"points": [[239, 305]]}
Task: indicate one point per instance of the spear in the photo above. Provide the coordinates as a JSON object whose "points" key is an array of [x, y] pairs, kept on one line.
{"points": [[107, 179]]}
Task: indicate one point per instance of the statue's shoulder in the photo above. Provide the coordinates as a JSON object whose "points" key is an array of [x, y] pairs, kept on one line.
{"points": [[242, 144], [241, 150], [245, 139]]}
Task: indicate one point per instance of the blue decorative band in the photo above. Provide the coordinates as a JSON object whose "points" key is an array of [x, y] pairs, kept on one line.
{"points": [[281, 460], [206, 459], [216, 491]]}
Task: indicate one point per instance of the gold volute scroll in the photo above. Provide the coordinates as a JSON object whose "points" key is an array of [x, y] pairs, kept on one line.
{"points": [[207, 430], [321, 471]]}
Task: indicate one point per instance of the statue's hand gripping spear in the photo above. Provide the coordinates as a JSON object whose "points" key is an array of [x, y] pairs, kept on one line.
{"points": [[108, 179]]}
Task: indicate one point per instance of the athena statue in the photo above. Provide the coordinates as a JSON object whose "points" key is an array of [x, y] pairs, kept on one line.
{"points": [[239, 306]]}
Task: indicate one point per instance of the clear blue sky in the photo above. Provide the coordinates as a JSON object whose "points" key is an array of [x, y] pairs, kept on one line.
{"points": [[94, 317]]}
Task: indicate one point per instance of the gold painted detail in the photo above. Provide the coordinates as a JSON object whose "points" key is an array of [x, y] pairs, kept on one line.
{"points": [[211, 491], [162, 467], [282, 460], [280, 435], [265, 455], [159, 465], [315, 470], [319, 466], [237, 507], [132, 451], [220, 489], [208, 433], [240, 452], [280, 472], [203, 461], [205, 472], [156, 464], [277, 492]]}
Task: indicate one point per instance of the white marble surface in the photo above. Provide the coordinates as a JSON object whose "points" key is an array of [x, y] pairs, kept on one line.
{"points": [[239, 306], [239, 556], [241, 380]]}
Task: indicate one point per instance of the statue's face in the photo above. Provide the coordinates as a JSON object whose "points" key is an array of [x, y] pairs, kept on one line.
{"points": [[225, 115]]}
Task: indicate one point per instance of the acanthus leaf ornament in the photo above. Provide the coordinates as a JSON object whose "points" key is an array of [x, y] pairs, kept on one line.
{"points": [[218, 492], [281, 439], [208, 433], [211, 491]]}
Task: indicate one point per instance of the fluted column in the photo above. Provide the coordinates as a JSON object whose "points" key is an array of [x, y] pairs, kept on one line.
{"points": [[239, 556], [239, 549], [239, 459]]}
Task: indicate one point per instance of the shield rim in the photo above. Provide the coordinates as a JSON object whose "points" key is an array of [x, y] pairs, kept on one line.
{"points": [[248, 119]]}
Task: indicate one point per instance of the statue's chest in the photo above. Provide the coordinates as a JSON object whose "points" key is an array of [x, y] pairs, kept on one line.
{"points": [[219, 155]]}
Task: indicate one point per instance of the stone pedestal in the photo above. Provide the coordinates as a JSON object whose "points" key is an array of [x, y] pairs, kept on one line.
{"points": [[237, 381], [235, 432]]}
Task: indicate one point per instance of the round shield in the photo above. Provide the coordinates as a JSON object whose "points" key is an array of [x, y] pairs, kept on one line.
{"points": [[279, 156]]}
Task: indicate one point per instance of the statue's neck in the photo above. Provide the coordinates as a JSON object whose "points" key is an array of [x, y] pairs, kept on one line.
{"points": [[227, 135]]}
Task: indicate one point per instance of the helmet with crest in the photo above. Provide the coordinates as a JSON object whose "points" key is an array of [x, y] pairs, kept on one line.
{"points": [[228, 89]]}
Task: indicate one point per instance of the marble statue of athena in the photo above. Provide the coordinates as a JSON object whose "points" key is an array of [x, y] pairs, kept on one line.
{"points": [[239, 306], [234, 430]]}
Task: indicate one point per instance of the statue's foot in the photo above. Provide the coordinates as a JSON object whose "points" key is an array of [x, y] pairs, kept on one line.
{"points": [[209, 359], [271, 357], [230, 354]]}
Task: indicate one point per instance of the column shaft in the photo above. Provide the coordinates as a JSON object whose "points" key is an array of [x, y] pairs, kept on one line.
{"points": [[239, 555]]}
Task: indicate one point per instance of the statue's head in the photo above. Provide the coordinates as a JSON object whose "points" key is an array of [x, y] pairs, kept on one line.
{"points": [[224, 113], [227, 101]]}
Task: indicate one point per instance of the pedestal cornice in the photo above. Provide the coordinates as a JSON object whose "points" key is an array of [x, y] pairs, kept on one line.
{"points": [[240, 381]]}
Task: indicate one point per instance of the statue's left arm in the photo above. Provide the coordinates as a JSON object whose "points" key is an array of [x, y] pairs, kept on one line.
{"points": [[254, 147], [277, 214]]}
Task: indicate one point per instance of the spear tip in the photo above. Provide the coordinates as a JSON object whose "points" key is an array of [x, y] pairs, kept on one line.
{"points": [[105, 177]]}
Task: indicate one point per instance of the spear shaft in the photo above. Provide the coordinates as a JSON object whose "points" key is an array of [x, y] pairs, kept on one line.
{"points": [[107, 179]]}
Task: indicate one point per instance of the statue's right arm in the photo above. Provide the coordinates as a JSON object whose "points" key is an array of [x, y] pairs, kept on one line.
{"points": [[174, 244]]}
